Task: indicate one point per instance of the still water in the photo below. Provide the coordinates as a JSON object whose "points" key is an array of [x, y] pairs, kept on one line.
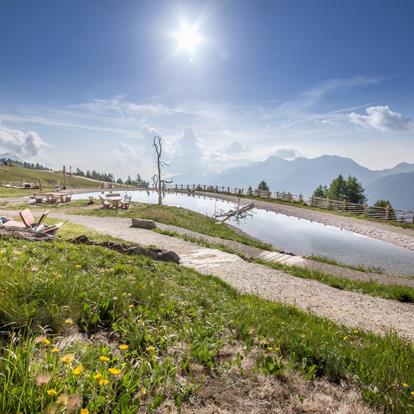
{"points": [[298, 236]]}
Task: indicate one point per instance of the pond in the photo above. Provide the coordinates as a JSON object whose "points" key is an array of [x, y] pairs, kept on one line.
{"points": [[298, 236]]}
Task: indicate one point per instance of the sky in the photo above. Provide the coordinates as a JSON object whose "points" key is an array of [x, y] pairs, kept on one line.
{"points": [[88, 83]]}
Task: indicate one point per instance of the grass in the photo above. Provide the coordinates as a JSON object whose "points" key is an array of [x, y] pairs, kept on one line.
{"points": [[48, 179], [169, 319], [177, 216], [327, 260]]}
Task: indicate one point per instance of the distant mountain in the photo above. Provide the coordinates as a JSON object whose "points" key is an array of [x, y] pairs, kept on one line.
{"points": [[395, 187], [303, 175], [10, 156]]}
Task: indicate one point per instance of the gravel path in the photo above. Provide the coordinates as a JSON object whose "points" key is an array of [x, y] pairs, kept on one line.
{"points": [[347, 308], [382, 231]]}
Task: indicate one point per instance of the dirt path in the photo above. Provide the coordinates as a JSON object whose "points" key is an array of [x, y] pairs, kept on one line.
{"points": [[382, 231], [347, 308]]}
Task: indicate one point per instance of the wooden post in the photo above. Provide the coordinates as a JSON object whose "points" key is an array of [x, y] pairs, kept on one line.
{"points": [[343, 204], [64, 177], [387, 212], [365, 208]]}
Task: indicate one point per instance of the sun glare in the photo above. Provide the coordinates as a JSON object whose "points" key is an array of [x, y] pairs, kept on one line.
{"points": [[189, 38]]}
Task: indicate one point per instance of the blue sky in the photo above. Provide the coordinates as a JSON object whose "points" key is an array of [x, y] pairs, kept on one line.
{"points": [[88, 83]]}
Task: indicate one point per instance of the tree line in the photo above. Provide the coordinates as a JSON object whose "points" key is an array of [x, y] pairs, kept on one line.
{"points": [[28, 165]]}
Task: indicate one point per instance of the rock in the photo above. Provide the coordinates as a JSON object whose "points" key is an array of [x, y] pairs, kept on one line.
{"points": [[143, 224], [169, 256]]}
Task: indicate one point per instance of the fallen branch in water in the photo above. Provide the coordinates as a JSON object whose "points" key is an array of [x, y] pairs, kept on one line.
{"points": [[238, 213]]}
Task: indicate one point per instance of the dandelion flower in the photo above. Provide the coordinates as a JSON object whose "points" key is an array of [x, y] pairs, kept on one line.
{"points": [[114, 371], [104, 358], [97, 376], [69, 321], [123, 347], [345, 338], [55, 350], [68, 358], [130, 306], [405, 385], [84, 411], [78, 266], [51, 392], [78, 370], [103, 382], [150, 349], [45, 341]]}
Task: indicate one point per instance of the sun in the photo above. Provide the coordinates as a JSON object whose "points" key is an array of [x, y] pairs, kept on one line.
{"points": [[189, 38]]}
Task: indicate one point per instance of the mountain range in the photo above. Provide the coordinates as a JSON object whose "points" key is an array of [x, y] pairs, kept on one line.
{"points": [[303, 175]]}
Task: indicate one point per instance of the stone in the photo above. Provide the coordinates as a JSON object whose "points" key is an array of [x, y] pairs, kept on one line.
{"points": [[143, 224]]}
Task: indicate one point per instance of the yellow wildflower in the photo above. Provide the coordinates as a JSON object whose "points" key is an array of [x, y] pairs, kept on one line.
{"points": [[45, 341], [405, 385], [123, 347], [78, 266], [114, 371], [345, 338], [97, 376], [55, 350], [68, 358], [84, 411], [150, 349], [69, 321], [103, 382], [78, 370], [412, 393], [104, 358], [130, 306], [51, 392], [142, 392]]}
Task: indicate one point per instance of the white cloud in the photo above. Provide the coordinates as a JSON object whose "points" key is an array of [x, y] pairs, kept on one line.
{"points": [[26, 144], [287, 153], [383, 118]]}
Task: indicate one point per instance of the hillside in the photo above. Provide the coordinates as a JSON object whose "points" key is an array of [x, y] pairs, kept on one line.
{"points": [[396, 188], [49, 179]]}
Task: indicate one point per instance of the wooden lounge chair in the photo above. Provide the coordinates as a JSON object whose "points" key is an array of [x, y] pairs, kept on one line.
{"points": [[29, 222]]}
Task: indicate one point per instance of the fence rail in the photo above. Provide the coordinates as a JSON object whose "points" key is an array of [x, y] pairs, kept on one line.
{"points": [[378, 213]]}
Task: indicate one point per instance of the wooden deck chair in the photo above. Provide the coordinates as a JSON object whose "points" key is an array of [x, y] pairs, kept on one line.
{"points": [[29, 221], [27, 218]]}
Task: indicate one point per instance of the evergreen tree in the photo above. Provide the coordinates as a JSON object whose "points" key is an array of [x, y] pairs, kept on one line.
{"points": [[320, 192], [354, 191], [263, 186], [337, 189]]}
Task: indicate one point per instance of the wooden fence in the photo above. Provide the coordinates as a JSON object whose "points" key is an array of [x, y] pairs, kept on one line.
{"points": [[378, 213]]}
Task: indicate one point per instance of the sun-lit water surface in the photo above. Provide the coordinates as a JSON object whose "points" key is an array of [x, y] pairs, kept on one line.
{"points": [[298, 236]]}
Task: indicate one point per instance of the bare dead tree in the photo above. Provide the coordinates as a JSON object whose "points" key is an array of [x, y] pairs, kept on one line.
{"points": [[159, 182]]}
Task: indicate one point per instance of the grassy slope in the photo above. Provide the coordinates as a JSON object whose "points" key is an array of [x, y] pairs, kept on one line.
{"points": [[176, 216], [49, 179], [171, 318]]}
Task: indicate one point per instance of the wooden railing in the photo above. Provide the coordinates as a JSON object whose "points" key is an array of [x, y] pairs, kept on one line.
{"points": [[378, 213]]}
